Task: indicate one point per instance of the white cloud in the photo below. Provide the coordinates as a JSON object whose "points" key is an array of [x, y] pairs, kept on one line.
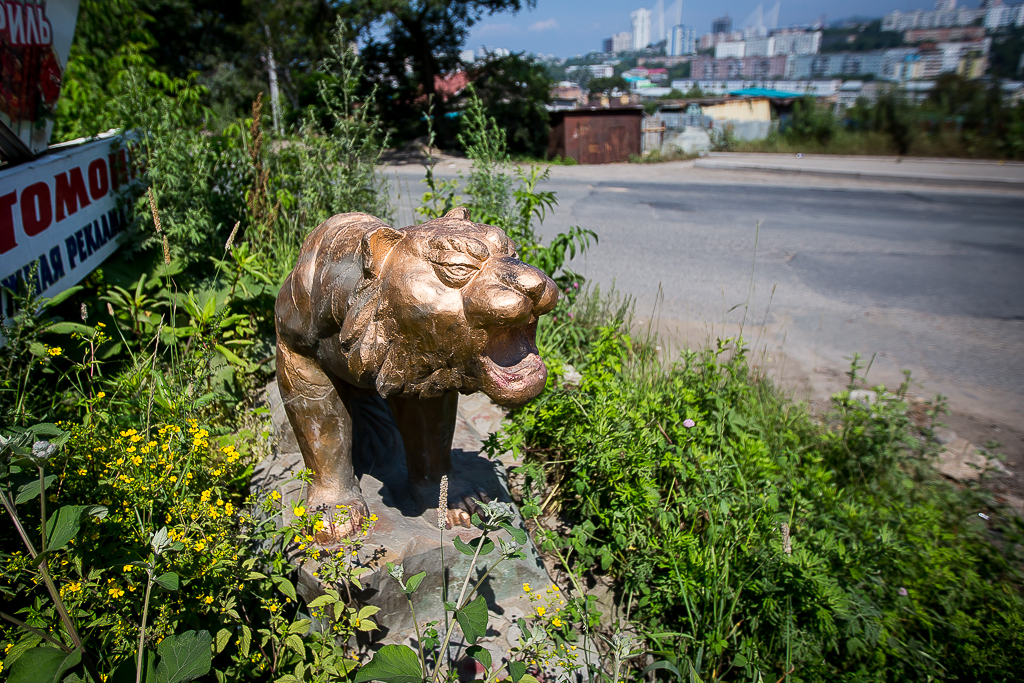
{"points": [[546, 25], [488, 29]]}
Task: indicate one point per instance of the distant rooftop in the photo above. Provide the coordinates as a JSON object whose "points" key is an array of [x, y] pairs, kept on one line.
{"points": [[765, 92]]}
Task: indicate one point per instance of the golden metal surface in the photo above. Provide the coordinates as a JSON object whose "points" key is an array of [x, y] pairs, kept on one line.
{"points": [[415, 315]]}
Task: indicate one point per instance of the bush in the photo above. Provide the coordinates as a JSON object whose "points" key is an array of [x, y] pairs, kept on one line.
{"points": [[811, 122], [749, 540]]}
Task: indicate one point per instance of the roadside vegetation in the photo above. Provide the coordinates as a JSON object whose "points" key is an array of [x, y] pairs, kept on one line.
{"points": [[743, 538], [749, 540], [959, 118]]}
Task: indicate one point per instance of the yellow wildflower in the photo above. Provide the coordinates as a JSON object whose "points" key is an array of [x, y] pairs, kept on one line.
{"points": [[299, 511], [55, 351], [526, 588], [541, 611], [115, 592], [208, 600], [101, 394]]}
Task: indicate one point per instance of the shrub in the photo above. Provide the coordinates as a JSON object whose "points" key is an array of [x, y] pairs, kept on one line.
{"points": [[811, 122], [752, 541]]}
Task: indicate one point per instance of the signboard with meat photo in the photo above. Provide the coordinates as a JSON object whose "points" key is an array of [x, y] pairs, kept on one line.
{"points": [[35, 39]]}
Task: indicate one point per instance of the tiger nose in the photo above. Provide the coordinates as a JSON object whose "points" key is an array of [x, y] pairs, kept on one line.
{"points": [[539, 287]]}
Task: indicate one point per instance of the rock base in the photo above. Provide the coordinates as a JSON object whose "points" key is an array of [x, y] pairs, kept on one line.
{"points": [[406, 535]]}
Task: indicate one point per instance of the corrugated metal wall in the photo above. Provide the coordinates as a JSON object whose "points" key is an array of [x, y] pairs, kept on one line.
{"points": [[597, 137]]}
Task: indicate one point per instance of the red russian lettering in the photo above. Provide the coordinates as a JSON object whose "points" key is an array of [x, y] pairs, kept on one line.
{"points": [[16, 23], [71, 194], [31, 26], [118, 168], [36, 209], [7, 240], [99, 182], [45, 32]]}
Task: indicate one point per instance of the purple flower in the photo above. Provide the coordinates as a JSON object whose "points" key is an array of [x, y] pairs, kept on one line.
{"points": [[575, 285], [570, 315], [902, 591], [688, 423]]}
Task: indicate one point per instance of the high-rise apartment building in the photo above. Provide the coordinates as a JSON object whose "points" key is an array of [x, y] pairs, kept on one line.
{"points": [[641, 19], [722, 24], [797, 43], [683, 42], [622, 42]]}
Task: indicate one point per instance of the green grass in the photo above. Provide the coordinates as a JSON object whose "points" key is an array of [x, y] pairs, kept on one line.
{"points": [[943, 145], [888, 573]]}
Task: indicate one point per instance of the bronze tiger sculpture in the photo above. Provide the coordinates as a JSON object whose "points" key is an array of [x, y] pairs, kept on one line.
{"points": [[416, 315]]}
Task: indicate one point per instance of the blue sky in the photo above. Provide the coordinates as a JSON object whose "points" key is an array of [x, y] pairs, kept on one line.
{"points": [[568, 27]]}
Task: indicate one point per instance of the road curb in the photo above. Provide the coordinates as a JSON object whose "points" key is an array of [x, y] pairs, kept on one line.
{"points": [[944, 181]]}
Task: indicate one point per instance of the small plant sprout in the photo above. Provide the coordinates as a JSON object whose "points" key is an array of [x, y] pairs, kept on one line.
{"points": [[398, 663]]}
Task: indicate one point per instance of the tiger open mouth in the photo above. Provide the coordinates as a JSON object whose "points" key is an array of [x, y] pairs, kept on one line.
{"points": [[513, 370]]}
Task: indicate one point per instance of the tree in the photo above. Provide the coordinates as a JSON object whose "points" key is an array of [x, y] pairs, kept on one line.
{"points": [[407, 44], [607, 85], [514, 91], [224, 44]]}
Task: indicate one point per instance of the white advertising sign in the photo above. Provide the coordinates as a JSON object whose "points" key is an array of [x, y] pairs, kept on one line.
{"points": [[59, 213]]}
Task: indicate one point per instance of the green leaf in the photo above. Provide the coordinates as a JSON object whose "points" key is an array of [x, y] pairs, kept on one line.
{"points": [[519, 535], [295, 642], [285, 586], [231, 357], [168, 581], [184, 657], [223, 638], [481, 655], [63, 296], [739, 660], [63, 526], [367, 611], [70, 328], [473, 619], [301, 627], [245, 641], [46, 429], [43, 665], [516, 670], [414, 583], [462, 547], [470, 548], [392, 664], [30, 490], [322, 601], [527, 678]]}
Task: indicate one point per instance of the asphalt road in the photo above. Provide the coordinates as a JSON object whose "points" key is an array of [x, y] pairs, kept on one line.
{"points": [[926, 279]]}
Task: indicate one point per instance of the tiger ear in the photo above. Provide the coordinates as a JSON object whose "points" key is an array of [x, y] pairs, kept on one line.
{"points": [[375, 249], [460, 212]]}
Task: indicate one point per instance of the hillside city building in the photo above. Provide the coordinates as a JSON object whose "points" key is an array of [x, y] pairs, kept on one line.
{"points": [[683, 42], [641, 19], [947, 39]]}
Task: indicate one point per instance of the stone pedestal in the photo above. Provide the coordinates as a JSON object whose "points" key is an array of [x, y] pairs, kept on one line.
{"points": [[406, 535]]}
